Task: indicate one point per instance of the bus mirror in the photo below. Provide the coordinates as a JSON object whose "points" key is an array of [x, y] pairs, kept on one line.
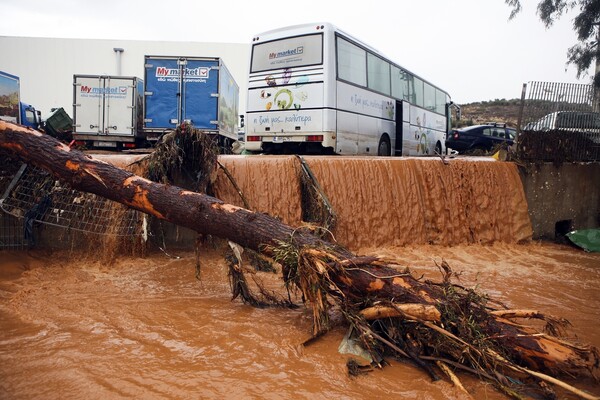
{"points": [[456, 108]]}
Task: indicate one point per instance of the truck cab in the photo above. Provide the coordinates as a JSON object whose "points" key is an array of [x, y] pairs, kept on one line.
{"points": [[30, 116]]}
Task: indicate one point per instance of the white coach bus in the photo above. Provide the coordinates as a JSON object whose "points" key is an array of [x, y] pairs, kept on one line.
{"points": [[315, 89]]}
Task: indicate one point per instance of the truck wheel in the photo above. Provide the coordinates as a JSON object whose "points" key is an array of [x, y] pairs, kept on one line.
{"points": [[438, 149], [384, 148]]}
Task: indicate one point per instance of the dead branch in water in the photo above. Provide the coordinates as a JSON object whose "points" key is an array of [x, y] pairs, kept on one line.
{"points": [[369, 292]]}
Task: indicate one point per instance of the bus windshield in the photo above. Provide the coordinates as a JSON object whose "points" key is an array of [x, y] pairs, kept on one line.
{"points": [[299, 51]]}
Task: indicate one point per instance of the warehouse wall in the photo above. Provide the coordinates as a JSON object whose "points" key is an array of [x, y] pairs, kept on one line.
{"points": [[46, 65]]}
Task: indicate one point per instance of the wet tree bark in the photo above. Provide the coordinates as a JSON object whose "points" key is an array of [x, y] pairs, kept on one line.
{"points": [[201, 213], [368, 277]]}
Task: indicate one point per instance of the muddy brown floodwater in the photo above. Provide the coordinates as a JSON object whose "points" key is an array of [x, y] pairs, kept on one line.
{"points": [[74, 327]]}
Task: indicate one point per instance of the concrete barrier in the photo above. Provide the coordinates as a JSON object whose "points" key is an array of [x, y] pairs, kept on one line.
{"points": [[562, 198]]}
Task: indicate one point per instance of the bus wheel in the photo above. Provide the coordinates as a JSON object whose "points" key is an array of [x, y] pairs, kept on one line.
{"points": [[384, 148], [438, 149]]}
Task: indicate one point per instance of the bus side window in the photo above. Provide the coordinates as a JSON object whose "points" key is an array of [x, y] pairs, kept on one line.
{"points": [[428, 96], [412, 97], [352, 63], [399, 83], [440, 101], [418, 93]]}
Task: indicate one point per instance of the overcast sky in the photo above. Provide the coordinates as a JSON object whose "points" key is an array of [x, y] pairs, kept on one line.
{"points": [[467, 47]]}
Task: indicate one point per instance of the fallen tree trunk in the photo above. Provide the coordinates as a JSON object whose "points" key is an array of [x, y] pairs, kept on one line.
{"points": [[201, 213], [365, 288]]}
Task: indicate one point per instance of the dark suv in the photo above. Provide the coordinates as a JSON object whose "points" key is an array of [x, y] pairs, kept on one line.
{"points": [[480, 137]]}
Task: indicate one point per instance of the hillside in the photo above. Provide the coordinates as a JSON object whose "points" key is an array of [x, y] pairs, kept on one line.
{"points": [[499, 110]]}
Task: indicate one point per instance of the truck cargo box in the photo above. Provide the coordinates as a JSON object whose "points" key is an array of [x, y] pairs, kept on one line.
{"points": [[107, 110], [9, 98], [12, 109], [197, 90]]}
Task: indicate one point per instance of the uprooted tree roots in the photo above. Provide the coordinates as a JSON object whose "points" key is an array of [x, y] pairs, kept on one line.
{"points": [[187, 155], [444, 328], [439, 326]]}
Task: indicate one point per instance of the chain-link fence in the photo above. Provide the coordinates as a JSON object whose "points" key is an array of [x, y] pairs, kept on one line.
{"points": [[34, 197], [11, 233]]}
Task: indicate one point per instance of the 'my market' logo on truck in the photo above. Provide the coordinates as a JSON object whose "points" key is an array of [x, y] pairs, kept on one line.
{"points": [[200, 72], [97, 91]]}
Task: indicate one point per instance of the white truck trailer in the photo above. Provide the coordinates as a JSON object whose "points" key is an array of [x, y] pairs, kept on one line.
{"points": [[108, 111]]}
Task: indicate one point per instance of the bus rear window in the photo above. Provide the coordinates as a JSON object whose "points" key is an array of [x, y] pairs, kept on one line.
{"points": [[299, 51]]}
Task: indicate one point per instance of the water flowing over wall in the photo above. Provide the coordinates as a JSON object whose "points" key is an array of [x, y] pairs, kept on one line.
{"points": [[391, 201], [270, 185]]}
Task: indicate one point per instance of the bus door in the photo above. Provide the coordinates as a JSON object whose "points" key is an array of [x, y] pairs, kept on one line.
{"points": [[399, 120], [402, 128]]}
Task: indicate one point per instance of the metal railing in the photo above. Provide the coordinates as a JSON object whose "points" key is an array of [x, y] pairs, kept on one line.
{"points": [[558, 122]]}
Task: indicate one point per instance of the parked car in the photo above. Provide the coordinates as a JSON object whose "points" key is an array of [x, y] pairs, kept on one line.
{"points": [[483, 138], [584, 121]]}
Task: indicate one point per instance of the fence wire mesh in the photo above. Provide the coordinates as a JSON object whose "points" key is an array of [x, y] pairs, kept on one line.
{"points": [[11, 233], [559, 122], [34, 196]]}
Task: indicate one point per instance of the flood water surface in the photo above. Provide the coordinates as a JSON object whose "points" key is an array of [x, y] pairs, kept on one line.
{"points": [[73, 327]]}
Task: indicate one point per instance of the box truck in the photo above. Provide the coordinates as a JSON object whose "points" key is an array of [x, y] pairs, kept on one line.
{"points": [[197, 90], [12, 109], [107, 111]]}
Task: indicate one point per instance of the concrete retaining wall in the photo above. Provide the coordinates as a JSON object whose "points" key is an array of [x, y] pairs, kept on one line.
{"points": [[562, 198]]}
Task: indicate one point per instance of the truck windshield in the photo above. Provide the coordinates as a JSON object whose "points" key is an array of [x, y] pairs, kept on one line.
{"points": [[299, 51], [30, 116]]}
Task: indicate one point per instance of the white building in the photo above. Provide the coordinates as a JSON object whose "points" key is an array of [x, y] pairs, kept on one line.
{"points": [[46, 65]]}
